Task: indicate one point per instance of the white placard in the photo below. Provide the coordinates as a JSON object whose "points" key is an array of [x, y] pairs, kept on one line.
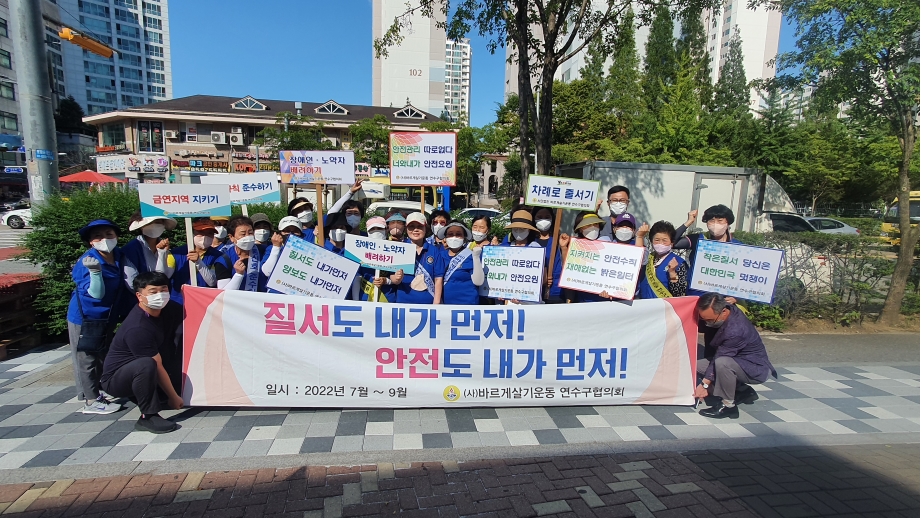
{"points": [[513, 272], [741, 271], [561, 193], [597, 266], [373, 189], [312, 271], [329, 167], [423, 158], [247, 188], [184, 200], [389, 256]]}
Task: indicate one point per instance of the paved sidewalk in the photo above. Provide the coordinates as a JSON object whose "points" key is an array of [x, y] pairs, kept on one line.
{"points": [[785, 482]]}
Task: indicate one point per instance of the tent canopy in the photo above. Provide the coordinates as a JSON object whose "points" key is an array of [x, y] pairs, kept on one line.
{"points": [[89, 177]]}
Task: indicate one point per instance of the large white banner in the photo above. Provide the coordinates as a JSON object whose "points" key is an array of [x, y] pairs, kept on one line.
{"points": [[313, 271], [246, 188], [512, 272], [266, 350], [741, 271]]}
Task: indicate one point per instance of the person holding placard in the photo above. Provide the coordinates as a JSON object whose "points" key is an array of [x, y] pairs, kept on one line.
{"points": [[245, 258], [203, 255], [336, 243], [522, 232], [718, 220], [463, 268], [425, 287], [288, 226], [588, 225], [148, 252], [353, 209], [480, 232], [544, 222], [665, 274], [377, 230], [396, 227], [303, 209], [437, 221]]}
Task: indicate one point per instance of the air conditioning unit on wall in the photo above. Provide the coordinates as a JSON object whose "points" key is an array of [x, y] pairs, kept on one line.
{"points": [[170, 134], [218, 137], [236, 139], [237, 129]]}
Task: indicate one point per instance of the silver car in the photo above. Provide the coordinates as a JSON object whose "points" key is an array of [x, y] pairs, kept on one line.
{"points": [[832, 226]]}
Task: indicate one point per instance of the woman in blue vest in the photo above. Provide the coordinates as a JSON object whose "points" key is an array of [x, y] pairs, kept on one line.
{"points": [[244, 258], [588, 225], [203, 256], [425, 285], [463, 269], [544, 222], [665, 274], [100, 294], [718, 220], [148, 252], [338, 227], [387, 292]]}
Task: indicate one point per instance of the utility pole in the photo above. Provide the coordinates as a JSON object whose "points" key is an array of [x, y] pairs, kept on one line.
{"points": [[35, 98]]}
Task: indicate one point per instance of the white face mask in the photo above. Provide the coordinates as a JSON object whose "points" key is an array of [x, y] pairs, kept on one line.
{"points": [[617, 208], [436, 227], [520, 234], [662, 249], [158, 300], [202, 242], [354, 221], [105, 245], [246, 243], [454, 242], [338, 235], [154, 230], [262, 235], [479, 236], [591, 233], [543, 224], [717, 230], [624, 234], [378, 235], [305, 217], [222, 232]]}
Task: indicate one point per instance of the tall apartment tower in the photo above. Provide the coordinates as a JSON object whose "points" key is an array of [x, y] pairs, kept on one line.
{"points": [[458, 80], [140, 72], [414, 71]]}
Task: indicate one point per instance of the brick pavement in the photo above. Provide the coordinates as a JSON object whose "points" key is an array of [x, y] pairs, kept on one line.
{"points": [[787, 482]]}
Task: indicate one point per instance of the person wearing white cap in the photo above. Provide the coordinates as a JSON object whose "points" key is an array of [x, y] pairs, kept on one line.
{"points": [[425, 286], [148, 252], [387, 290], [288, 226], [463, 269]]}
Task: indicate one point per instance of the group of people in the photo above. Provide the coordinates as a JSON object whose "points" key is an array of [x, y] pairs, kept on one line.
{"points": [[139, 285]]}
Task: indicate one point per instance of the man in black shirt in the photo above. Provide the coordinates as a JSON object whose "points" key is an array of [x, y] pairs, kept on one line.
{"points": [[145, 341]]}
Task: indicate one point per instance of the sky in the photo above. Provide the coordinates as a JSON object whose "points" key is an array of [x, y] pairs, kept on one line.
{"points": [[303, 50]]}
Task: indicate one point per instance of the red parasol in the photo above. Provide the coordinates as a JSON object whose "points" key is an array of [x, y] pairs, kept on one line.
{"points": [[90, 177]]}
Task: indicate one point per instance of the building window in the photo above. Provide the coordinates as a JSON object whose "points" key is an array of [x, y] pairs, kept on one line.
{"points": [[100, 97], [129, 45], [4, 31], [154, 64], [153, 23], [151, 9], [99, 68], [136, 88], [153, 50], [130, 73], [113, 134], [94, 9], [8, 121], [248, 103], [126, 16], [124, 30], [7, 90], [156, 91], [153, 37], [95, 25], [156, 78], [409, 112], [128, 59], [131, 4], [331, 108], [150, 136], [5, 59]]}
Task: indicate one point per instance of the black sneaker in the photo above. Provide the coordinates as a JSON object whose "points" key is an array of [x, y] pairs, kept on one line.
{"points": [[746, 396], [721, 412], [154, 424]]}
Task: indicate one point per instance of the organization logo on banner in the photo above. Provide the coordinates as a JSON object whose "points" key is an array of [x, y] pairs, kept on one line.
{"points": [[451, 393]]}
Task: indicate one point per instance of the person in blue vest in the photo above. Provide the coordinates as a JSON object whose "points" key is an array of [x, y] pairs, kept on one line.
{"points": [[289, 228], [718, 220], [303, 209], [463, 267], [336, 243], [425, 285], [353, 209], [244, 257], [204, 256], [396, 226], [588, 225], [544, 222], [262, 231], [101, 294], [221, 242], [149, 251], [387, 292], [665, 274], [437, 221]]}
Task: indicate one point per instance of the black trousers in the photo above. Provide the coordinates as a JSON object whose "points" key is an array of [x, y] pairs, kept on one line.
{"points": [[136, 380]]}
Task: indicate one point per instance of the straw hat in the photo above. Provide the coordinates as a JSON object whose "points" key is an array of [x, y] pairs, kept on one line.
{"points": [[168, 223], [522, 219], [589, 218]]}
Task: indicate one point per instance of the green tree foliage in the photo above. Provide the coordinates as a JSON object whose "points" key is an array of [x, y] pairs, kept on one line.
{"points": [[772, 142], [624, 79], [69, 118], [731, 92], [825, 160], [693, 42], [370, 140], [302, 133], [659, 64]]}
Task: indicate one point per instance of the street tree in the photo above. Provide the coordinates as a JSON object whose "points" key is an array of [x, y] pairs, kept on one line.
{"points": [[865, 53], [731, 91], [693, 41], [370, 140], [826, 160], [293, 132], [659, 63], [624, 78]]}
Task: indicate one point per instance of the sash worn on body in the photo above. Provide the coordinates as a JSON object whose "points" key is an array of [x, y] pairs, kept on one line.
{"points": [[456, 262], [251, 283], [426, 277], [655, 284]]}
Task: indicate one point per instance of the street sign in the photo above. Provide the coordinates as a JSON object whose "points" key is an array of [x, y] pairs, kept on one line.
{"points": [[14, 169], [44, 154]]}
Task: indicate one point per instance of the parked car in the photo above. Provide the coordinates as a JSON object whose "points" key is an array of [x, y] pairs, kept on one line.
{"points": [[832, 226], [381, 208], [17, 218], [493, 214], [782, 222]]}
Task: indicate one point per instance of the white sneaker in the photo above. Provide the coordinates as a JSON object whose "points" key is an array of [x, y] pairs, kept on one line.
{"points": [[101, 406]]}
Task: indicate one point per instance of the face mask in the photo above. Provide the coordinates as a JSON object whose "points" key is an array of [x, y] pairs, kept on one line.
{"points": [[377, 235], [153, 230], [105, 245], [306, 216], [436, 228], [591, 233], [262, 235], [543, 224], [354, 221], [454, 242], [617, 208], [717, 230], [158, 300], [222, 232], [662, 249], [338, 235], [202, 242], [396, 232], [246, 243], [715, 324], [520, 234], [479, 236], [624, 234]]}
